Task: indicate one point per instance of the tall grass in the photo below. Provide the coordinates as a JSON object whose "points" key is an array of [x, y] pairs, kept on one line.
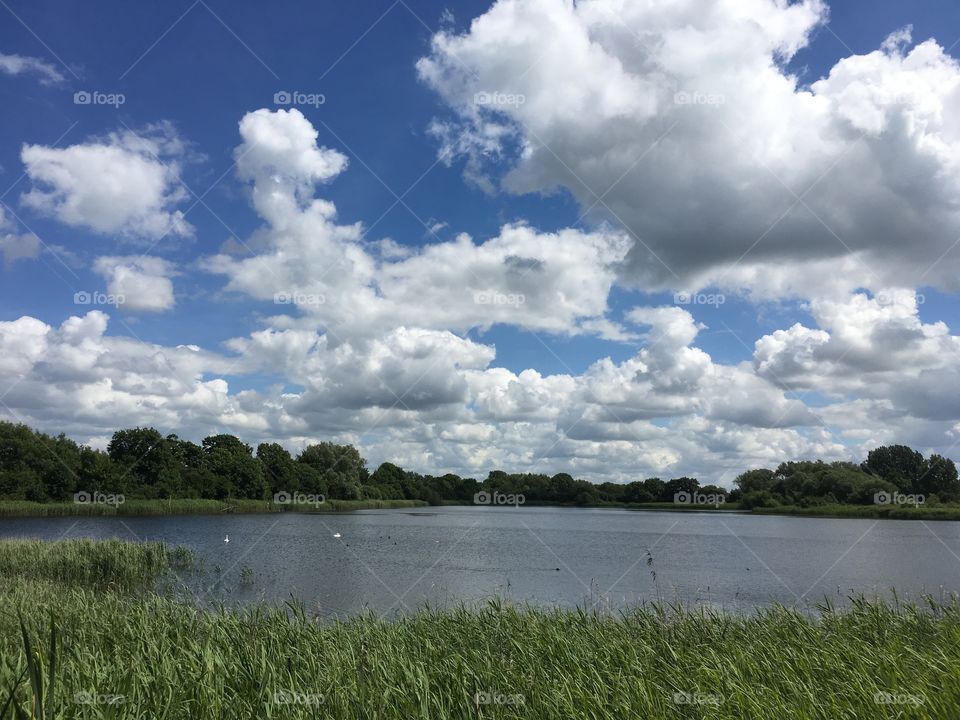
{"points": [[888, 512], [101, 564], [144, 656], [187, 506]]}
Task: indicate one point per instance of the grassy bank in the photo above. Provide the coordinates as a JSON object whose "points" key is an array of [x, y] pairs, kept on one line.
{"points": [[92, 564], [187, 506], [22, 508], [889, 512], [134, 655]]}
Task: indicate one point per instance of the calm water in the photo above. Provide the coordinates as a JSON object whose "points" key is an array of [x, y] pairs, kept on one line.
{"points": [[393, 561]]}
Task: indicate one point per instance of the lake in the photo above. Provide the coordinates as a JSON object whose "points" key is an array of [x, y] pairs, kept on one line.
{"points": [[394, 561]]}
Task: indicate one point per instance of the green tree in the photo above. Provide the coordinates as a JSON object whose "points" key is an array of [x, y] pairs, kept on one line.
{"points": [[562, 488], [898, 464], [637, 492], [280, 468], [939, 477], [232, 460], [679, 485], [755, 480], [341, 468], [146, 459]]}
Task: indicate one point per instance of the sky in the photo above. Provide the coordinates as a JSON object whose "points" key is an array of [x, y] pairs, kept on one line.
{"points": [[615, 238]]}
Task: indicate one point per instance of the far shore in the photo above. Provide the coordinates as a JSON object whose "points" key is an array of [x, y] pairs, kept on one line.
{"points": [[189, 506]]}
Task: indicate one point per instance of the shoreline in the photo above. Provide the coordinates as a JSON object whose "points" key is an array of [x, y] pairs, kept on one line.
{"points": [[189, 506], [77, 615]]}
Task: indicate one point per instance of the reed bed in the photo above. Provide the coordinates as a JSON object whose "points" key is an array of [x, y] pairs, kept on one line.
{"points": [[187, 506], [886, 512], [99, 564], [131, 656]]}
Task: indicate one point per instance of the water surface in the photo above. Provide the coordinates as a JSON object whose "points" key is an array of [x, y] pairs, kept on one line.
{"points": [[390, 561]]}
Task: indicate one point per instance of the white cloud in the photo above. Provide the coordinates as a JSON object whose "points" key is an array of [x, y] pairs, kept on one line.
{"points": [[126, 184], [679, 119], [25, 65], [142, 281], [280, 155], [369, 339], [558, 282], [14, 246]]}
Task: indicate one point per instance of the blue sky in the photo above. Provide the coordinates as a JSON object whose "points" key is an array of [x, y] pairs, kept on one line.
{"points": [[202, 66]]}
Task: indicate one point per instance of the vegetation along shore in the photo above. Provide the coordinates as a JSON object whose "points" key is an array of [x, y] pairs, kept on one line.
{"points": [[82, 635], [145, 473]]}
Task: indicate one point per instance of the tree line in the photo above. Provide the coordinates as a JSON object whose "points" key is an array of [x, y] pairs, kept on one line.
{"points": [[144, 463]]}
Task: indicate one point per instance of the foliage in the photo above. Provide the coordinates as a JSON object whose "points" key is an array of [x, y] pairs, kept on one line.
{"points": [[140, 463], [72, 651]]}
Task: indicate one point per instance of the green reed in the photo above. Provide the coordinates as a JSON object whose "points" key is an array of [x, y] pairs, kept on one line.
{"points": [[143, 656]]}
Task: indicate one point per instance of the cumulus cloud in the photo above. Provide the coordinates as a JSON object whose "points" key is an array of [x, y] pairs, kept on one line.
{"points": [[381, 344], [14, 246], [426, 398], [126, 184], [888, 372], [337, 278], [25, 65], [142, 282], [680, 121]]}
